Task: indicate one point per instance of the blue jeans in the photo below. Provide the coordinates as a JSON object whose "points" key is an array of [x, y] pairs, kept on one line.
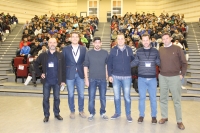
{"points": [[80, 89], [46, 94], [145, 84], [125, 84], [93, 84]]}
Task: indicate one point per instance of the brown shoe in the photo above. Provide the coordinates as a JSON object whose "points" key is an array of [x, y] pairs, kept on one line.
{"points": [[72, 115], [140, 119], [181, 126], [82, 114], [163, 120], [154, 120]]}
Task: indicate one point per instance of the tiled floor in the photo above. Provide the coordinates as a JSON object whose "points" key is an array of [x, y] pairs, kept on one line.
{"points": [[25, 115]]}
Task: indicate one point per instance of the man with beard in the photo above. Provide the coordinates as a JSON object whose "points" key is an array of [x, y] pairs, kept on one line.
{"points": [[96, 62], [53, 75], [146, 59]]}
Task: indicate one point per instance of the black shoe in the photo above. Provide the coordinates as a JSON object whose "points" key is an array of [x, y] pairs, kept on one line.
{"points": [[46, 119], [59, 117], [34, 84]]}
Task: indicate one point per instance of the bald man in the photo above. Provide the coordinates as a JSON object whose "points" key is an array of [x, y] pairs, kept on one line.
{"points": [[52, 75]]}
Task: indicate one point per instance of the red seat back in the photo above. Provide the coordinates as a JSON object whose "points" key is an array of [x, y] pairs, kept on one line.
{"points": [[17, 61], [22, 70]]}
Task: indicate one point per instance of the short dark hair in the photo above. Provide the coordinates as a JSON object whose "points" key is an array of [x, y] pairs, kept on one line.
{"points": [[166, 33], [96, 38], [146, 35]]}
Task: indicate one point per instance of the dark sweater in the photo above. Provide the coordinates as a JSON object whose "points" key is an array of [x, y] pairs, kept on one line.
{"points": [[52, 69], [172, 61], [119, 62], [96, 62], [142, 59]]}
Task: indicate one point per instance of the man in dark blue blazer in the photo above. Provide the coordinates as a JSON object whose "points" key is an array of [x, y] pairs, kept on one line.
{"points": [[74, 57]]}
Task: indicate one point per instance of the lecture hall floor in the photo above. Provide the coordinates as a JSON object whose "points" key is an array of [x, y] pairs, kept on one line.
{"points": [[25, 115]]}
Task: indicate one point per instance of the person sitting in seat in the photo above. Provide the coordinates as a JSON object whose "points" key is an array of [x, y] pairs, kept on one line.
{"points": [[53, 31], [35, 49], [25, 52], [38, 31]]}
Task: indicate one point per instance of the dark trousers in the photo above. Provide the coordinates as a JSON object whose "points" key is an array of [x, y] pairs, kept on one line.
{"points": [[46, 94]]}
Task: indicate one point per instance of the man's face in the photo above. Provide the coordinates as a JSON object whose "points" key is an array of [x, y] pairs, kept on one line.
{"points": [[52, 44], [166, 39], [75, 38], [146, 41], [120, 40], [26, 31], [97, 44], [130, 44], [176, 41]]}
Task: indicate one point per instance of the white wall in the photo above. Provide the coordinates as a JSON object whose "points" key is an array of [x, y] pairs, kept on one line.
{"points": [[26, 9]]}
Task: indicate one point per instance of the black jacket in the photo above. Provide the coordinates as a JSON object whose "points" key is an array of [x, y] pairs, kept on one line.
{"points": [[35, 49], [42, 60]]}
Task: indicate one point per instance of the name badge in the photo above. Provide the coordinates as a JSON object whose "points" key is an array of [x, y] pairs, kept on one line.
{"points": [[51, 64], [147, 64]]}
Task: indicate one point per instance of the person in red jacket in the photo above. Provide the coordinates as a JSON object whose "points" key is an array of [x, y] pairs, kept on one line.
{"points": [[25, 39]]}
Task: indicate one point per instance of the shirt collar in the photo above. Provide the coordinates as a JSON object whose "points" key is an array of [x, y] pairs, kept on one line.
{"points": [[168, 46], [122, 48]]}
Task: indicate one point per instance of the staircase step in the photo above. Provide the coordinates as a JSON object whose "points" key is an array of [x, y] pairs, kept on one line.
{"points": [[194, 56], [193, 62], [3, 76], [193, 74], [8, 54], [19, 85], [191, 59], [197, 51], [134, 96], [5, 70], [194, 84], [2, 80], [193, 70], [192, 90], [191, 54], [9, 48], [193, 49], [6, 59], [194, 79]]}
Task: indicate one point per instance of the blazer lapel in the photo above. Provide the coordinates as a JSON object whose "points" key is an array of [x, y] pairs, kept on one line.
{"points": [[71, 53], [80, 53]]}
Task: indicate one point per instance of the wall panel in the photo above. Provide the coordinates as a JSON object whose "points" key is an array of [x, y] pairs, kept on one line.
{"points": [[26, 9]]}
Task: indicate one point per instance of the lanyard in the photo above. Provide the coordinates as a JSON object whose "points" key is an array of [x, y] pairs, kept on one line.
{"points": [[76, 51], [145, 53]]}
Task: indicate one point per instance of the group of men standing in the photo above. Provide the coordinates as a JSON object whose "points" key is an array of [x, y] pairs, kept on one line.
{"points": [[72, 65]]}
